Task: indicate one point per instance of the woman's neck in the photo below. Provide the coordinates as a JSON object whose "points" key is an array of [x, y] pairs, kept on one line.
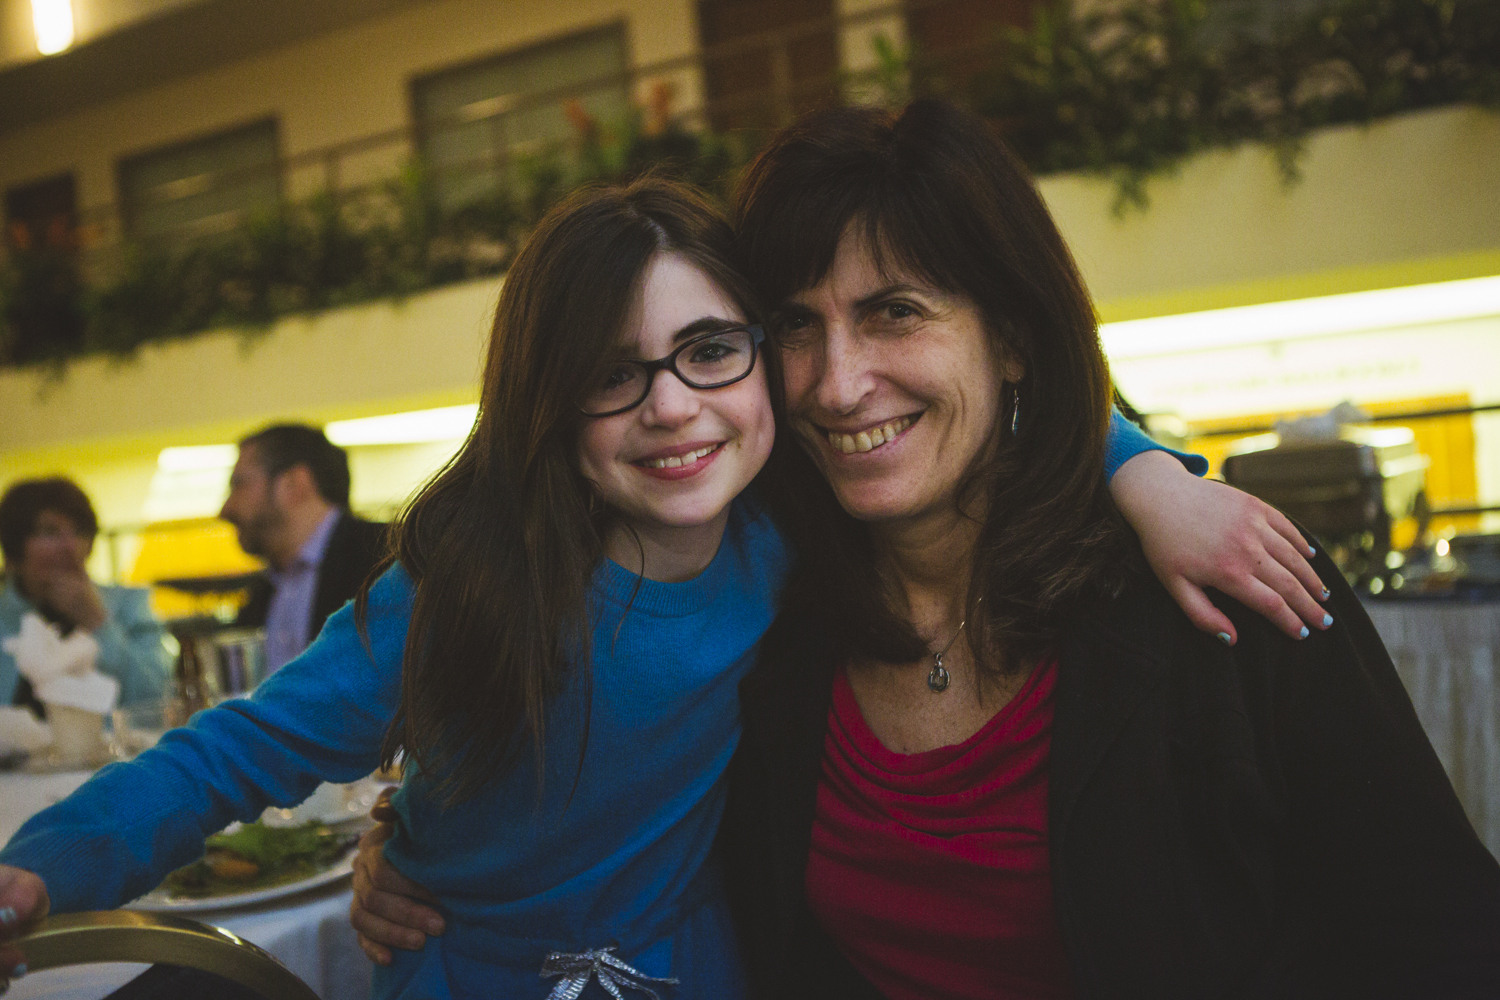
{"points": [[665, 553], [928, 559]]}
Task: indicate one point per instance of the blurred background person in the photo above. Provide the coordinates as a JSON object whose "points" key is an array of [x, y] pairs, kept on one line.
{"points": [[47, 530], [289, 503]]}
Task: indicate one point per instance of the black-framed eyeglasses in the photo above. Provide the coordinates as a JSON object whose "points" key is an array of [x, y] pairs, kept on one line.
{"points": [[710, 361]]}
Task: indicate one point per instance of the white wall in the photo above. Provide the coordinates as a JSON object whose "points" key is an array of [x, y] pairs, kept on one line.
{"points": [[1394, 203]]}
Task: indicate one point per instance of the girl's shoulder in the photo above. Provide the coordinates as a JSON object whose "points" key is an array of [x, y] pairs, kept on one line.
{"points": [[391, 597]]}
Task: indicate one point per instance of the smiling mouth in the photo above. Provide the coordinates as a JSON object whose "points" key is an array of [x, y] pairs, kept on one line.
{"points": [[870, 438], [677, 461]]}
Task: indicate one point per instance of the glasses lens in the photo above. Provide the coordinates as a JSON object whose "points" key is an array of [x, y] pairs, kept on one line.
{"points": [[717, 358], [621, 386]]}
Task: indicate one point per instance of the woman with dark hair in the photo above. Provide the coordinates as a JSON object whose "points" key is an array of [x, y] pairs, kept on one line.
{"points": [[47, 530], [984, 753]]}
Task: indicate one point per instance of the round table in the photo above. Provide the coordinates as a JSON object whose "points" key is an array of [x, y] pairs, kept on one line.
{"points": [[308, 932]]}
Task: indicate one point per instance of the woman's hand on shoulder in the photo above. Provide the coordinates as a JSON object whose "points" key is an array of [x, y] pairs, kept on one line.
{"points": [[23, 904], [1199, 533], [387, 910]]}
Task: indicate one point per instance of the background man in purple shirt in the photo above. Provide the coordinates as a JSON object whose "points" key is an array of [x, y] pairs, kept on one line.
{"points": [[289, 504]]}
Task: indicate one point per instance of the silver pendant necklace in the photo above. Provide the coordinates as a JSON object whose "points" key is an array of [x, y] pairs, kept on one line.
{"points": [[938, 677]]}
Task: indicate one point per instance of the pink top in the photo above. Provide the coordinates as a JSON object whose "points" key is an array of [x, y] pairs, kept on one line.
{"points": [[931, 870]]}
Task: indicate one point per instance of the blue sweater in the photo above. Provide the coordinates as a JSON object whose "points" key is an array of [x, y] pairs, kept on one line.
{"points": [[521, 871]]}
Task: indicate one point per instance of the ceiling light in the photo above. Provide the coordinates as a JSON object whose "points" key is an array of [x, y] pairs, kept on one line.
{"points": [[53, 21], [208, 456], [1298, 319], [446, 423]]}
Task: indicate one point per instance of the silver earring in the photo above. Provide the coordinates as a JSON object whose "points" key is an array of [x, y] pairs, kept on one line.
{"points": [[1015, 411]]}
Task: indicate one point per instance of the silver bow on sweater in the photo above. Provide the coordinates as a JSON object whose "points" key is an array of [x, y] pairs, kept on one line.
{"points": [[577, 969]]}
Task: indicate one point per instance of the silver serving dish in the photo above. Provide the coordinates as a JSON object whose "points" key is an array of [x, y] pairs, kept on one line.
{"points": [[1347, 491]]}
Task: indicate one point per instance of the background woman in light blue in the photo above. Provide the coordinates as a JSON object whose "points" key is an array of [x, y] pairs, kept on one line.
{"points": [[556, 649], [47, 530]]}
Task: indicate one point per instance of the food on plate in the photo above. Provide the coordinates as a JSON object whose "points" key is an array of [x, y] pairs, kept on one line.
{"points": [[257, 856]]}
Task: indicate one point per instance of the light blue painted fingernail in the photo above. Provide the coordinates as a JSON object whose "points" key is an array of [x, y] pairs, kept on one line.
{"points": [[7, 915], [1224, 637], [1312, 550], [1327, 620], [1327, 593], [19, 972], [1304, 633]]}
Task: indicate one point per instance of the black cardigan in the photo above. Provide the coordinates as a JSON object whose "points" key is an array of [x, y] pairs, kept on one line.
{"points": [[1262, 821]]}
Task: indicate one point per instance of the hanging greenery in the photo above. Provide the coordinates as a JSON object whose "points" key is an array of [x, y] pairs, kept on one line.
{"points": [[1128, 91], [1132, 90]]}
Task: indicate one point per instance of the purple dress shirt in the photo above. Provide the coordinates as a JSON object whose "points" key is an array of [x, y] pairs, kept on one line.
{"points": [[296, 587]]}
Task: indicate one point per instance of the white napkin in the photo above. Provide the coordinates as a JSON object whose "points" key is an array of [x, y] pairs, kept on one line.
{"points": [[20, 730], [61, 671]]}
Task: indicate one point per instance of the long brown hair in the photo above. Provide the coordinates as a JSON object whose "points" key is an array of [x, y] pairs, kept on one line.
{"points": [[937, 194], [503, 543]]}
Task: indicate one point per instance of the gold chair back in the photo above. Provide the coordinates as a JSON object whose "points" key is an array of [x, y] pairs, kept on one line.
{"points": [[127, 936]]}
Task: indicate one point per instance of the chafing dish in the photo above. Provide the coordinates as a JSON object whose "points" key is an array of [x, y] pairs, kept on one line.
{"points": [[1348, 490]]}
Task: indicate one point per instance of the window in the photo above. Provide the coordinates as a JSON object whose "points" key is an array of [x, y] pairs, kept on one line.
{"points": [[473, 120], [202, 186], [43, 214], [955, 40], [767, 60], [43, 311]]}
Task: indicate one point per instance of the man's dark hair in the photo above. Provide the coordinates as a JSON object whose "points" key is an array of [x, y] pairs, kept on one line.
{"points": [[284, 446], [26, 501]]}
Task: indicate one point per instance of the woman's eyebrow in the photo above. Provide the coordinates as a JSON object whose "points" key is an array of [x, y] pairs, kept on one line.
{"points": [[900, 288], [705, 324]]}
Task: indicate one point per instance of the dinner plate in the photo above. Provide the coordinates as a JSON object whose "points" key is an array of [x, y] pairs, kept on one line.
{"points": [[161, 900]]}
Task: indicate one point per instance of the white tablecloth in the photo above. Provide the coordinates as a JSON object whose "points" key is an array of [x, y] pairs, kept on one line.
{"points": [[309, 932], [1448, 656]]}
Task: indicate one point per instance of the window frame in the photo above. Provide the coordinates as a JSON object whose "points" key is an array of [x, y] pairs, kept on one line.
{"points": [[422, 126], [129, 208]]}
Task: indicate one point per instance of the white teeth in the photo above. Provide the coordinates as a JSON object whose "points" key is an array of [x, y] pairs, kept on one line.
{"points": [[867, 440], [678, 461]]}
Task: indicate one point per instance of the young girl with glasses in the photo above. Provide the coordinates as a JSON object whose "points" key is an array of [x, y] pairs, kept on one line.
{"points": [[555, 647]]}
